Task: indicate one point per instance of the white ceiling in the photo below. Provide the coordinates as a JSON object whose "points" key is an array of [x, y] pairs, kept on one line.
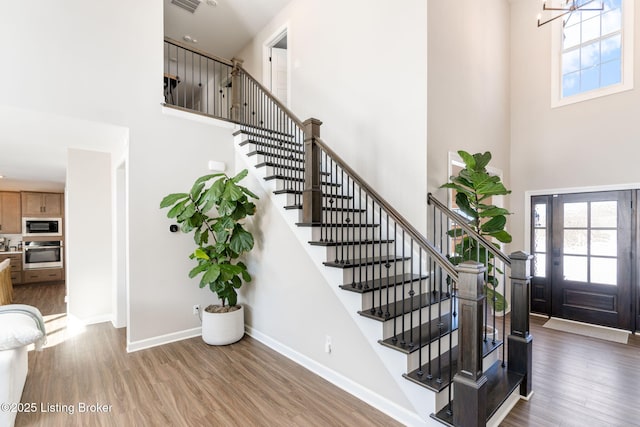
{"points": [[34, 146], [28, 163], [222, 30]]}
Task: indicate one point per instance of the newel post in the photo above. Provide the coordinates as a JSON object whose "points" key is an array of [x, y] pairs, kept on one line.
{"points": [[470, 383], [236, 101], [520, 341], [312, 193]]}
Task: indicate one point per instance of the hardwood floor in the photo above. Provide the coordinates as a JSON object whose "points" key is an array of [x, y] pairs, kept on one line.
{"points": [[187, 383], [578, 381]]}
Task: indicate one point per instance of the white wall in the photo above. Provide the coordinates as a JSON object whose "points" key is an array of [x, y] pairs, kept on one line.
{"points": [[103, 62], [292, 304], [591, 143], [88, 226], [468, 84], [361, 68]]}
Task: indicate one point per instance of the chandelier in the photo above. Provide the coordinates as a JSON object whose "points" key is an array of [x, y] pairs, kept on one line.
{"points": [[567, 7]]}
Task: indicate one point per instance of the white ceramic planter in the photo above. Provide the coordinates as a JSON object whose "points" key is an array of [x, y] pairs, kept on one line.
{"points": [[222, 328]]}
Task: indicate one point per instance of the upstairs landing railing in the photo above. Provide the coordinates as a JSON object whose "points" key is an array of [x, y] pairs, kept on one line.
{"points": [[370, 238]]}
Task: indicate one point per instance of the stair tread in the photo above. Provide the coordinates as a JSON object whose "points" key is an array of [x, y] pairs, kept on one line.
{"points": [[271, 137], [262, 129], [277, 156], [409, 341], [500, 384], [271, 141], [407, 305], [335, 224], [285, 167], [439, 378], [366, 261], [298, 192], [297, 179], [375, 284], [350, 243], [279, 148], [329, 209]]}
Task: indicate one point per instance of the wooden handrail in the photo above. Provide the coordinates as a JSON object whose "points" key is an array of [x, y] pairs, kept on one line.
{"points": [[273, 99], [462, 223], [397, 217], [199, 52]]}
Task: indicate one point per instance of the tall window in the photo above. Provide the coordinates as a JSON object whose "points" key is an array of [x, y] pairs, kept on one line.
{"points": [[595, 52]]}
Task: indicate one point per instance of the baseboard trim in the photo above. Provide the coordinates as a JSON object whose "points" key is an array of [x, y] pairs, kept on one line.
{"points": [[163, 339], [382, 404]]}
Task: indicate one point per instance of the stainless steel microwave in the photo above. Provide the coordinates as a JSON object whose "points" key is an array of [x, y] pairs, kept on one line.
{"points": [[35, 227]]}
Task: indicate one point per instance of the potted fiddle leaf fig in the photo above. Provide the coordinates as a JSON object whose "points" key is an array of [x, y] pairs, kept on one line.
{"points": [[220, 241], [474, 188]]}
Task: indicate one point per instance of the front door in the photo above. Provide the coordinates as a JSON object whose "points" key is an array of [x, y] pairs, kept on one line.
{"points": [[582, 247]]}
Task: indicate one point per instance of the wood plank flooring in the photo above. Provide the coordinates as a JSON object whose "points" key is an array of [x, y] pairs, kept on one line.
{"points": [[181, 384], [578, 381]]}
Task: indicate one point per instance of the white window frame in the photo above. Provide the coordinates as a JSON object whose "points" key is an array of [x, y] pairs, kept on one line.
{"points": [[626, 62]]}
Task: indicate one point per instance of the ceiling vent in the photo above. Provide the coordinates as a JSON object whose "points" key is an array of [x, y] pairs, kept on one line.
{"points": [[189, 5]]}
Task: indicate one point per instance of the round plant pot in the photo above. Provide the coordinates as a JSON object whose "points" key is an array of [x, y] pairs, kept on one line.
{"points": [[222, 328], [491, 332]]}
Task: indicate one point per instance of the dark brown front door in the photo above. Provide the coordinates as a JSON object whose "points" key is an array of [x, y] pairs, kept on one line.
{"points": [[583, 257]]}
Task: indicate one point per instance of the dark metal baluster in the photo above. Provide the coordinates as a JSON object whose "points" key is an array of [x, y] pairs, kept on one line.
{"points": [[420, 317], [429, 293], [395, 291], [411, 294], [440, 322], [504, 314], [360, 285], [343, 226], [380, 257], [200, 82], [387, 266], [373, 250], [323, 230], [355, 232], [452, 318]]}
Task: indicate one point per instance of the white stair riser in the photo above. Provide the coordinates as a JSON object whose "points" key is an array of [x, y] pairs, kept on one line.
{"points": [[359, 251], [431, 352], [346, 234], [281, 150], [284, 171], [369, 272], [283, 184], [396, 293], [292, 199], [262, 158]]}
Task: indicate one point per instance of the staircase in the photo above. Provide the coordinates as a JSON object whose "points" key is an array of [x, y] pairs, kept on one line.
{"points": [[430, 311]]}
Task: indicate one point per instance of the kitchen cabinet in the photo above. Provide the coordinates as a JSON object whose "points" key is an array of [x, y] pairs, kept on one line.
{"points": [[16, 266], [42, 275], [41, 204], [10, 213]]}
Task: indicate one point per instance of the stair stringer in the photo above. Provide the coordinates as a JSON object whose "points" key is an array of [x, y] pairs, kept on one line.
{"points": [[423, 401]]}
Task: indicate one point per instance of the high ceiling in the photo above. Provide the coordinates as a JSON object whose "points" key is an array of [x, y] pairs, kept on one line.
{"points": [[222, 30]]}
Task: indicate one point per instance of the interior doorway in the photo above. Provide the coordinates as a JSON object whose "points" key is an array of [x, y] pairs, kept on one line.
{"points": [[276, 66], [583, 257]]}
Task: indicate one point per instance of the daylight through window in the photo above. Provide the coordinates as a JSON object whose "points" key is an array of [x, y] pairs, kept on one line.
{"points": [[592, 49]]}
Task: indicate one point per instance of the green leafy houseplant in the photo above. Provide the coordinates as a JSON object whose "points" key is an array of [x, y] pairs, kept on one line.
{"points": [[474, 187], [220, 240]]}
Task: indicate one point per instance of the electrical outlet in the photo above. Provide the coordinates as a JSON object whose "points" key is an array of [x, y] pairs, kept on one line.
{"points": [[327, 344], [196, 309]]}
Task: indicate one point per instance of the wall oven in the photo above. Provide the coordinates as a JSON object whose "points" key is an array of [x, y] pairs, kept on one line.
{"points": [[36, 227], [47, 254]]}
